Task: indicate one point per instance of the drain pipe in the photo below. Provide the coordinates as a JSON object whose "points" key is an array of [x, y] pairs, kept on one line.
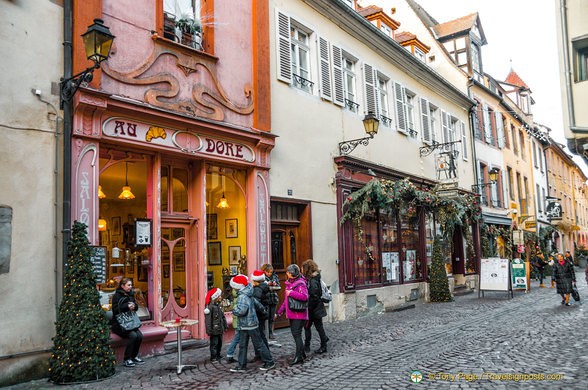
{"points": [[37, 93], [67, 129], [473, 132]]}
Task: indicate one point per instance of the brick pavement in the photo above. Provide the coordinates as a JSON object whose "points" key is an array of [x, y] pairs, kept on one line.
{"points": [[530, 334]]}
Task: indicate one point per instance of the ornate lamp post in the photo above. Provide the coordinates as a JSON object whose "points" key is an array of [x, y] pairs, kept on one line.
{"points": [[370, 124]]}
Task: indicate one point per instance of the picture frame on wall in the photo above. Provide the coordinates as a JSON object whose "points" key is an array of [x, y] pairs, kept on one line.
{"points": [[143, 232], [211, 227], [179, 264], [234, 255], [105, 237], [214, 253], [116, 226], [231, 228], [233, 270]]}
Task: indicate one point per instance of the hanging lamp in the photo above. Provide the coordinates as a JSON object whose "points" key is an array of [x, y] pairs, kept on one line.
{"points": [[101, 225], [223, 204], [101, 195], [126, 190]]}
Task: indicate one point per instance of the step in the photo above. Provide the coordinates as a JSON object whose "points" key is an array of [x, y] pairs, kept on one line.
{"points": [[393, 309], [460, 293]]}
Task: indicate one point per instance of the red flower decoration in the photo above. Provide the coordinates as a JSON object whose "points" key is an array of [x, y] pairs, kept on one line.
{"points": [[349, 198]]}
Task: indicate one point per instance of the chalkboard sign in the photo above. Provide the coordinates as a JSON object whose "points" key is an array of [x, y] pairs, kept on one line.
{"points": [[98, 259]]}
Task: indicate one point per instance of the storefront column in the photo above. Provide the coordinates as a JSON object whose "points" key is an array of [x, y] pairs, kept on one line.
{"points": [[85, 171]]}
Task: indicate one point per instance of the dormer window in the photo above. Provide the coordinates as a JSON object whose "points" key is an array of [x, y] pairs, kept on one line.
{"points": [[387, 30], [418, 53]]}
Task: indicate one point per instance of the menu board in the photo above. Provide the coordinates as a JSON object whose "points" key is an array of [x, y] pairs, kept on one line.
{"points": [[519, 274], [494, 274], [98, 260]]}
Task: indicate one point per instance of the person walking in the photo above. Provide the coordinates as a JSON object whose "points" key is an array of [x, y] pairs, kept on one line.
{"points": [[248, 325], [540, 264], [316, 307], [123, 300], [215, 322], [235, 341], [564, 276], [551, 263], [296, 289], [273, 282], [261, 294], [569, 257]]}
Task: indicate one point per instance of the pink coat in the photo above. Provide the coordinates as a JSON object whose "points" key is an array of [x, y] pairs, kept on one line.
{"points": [[298, 291]]}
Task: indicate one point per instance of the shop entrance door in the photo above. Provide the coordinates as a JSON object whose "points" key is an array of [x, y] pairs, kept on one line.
{"points": [[285, 242], [175, 289]]}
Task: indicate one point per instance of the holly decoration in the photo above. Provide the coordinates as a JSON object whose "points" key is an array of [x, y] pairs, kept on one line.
{"points": [[438, 276], [81, 346]]}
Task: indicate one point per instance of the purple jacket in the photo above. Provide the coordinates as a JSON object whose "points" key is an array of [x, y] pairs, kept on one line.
{"points": [[298, 291]]}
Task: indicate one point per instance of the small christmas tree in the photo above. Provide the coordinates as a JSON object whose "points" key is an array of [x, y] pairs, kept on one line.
{"points": [[439, 285], [81, 350]]}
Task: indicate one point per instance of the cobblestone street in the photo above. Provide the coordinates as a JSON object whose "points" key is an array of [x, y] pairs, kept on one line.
{"points": [[449, 343]]}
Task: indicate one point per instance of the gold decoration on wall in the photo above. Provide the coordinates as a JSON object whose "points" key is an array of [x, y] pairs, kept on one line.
{"points": [[155, 132]]}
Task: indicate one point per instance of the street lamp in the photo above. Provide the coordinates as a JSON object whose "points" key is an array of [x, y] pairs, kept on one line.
{"points": [[97, 43], [370, 124], [493, 174]]}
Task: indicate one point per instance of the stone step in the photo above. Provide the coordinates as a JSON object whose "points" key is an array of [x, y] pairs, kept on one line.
{"points": [[392, 309], [459, 293]]}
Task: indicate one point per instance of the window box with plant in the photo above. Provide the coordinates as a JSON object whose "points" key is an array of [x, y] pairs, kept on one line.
{"points": [[190, 32]]}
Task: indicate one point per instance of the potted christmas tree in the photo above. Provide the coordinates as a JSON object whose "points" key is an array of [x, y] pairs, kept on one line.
{"points": [[439, 287], [81, 350]]}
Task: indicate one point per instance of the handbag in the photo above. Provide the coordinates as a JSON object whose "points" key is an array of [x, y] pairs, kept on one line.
{"points": [[297, 305], [129, 320], [575, 293]]}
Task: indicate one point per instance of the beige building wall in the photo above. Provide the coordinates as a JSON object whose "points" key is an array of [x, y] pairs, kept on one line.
{"points": [[32, 58]]}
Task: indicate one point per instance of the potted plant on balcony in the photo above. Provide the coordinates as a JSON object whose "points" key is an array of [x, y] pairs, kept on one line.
{"points": [[191, 31]]}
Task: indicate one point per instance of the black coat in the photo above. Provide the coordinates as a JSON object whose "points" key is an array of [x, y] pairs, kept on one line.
{"points": [[215, 320], [564, 276], [316, 307], [274, 299], [261, 292], [120, 304]]}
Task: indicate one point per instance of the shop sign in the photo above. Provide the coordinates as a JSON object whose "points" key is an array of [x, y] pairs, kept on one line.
{"points": [[98, 260], [182, 140], [519, 274], [554, 211], [521, 248], [517, 237], [531, 224], [143, 232]]}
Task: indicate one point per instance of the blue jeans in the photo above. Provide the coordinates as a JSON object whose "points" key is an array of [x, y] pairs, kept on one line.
{"points": [[258, 345], [233, 345]]}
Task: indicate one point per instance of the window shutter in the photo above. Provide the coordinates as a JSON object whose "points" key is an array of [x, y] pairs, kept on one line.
{"points": [[325, 68], [487, 124], [505, 184], [283, 49], [400, 107], [425, 120], [338, 95], [499, 129], [464, 141], [445, 126], [370, 97]]}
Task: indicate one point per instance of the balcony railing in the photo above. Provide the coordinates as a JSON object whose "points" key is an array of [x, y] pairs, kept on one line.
{"points": [[302, 83], [386, 121], [351, 105]]}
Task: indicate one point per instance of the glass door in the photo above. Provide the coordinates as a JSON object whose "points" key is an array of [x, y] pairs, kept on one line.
{"points": [[174, 282]]}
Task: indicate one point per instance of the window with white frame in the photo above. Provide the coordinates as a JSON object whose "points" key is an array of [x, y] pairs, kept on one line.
{"points": [[429, 114], [387, 30], [433, 123], [410, 99], [300, 54], [382, 98], [418, 53], [349, 83], [464, 140]]}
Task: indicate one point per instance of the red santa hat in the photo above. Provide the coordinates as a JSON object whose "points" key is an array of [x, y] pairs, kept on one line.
{"points": [[258, 276], [239, 281], [212, 295]]}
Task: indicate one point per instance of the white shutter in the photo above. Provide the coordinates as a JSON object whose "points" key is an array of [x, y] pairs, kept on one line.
{"points": [[400, 107], [504, 188], [283, 49], [499, 129], [425, 120], [369, 83], [445, 126], [464, 141], [325, 68], [338, 94], [487, 124]]}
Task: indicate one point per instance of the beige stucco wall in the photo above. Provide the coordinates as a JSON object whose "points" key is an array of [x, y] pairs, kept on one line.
{"points": [[32, 58], [309, 130]]}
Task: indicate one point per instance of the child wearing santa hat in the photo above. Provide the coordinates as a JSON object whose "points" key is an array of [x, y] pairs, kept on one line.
{"points": [[216, 323]]}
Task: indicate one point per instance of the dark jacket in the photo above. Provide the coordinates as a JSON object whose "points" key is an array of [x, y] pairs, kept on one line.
{"points": [[539, 262], [215, 320], [274, 300], [120, 304], [316, 307], [564, 275], [245, 309], [261, 292]]}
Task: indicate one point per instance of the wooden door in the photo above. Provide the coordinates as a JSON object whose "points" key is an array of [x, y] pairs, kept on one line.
{"points": [[285, 251]]}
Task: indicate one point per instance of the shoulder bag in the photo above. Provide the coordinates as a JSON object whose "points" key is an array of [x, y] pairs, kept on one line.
{"points": [[575, 293], [296, 305], [128, 320]]}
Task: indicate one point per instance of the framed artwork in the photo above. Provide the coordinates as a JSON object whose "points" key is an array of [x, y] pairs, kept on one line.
{"points": [[231, 228], [105, 237], [115, 226], [211, 227], [179, 264], [142, 277], [234, 254], [233, 270], [143, 232], [214, 253]]}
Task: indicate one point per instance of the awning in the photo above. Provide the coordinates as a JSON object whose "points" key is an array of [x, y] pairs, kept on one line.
{"points": [[496, 219]]}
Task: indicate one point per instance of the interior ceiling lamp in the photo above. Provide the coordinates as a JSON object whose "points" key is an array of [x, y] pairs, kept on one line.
{"points": [[223, 204], [97, 43], [126, 190], [101, 225], [370, 124], [101, 194]]}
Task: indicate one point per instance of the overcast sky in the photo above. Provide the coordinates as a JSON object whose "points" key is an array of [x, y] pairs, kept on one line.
{"points": [[523, 31]]}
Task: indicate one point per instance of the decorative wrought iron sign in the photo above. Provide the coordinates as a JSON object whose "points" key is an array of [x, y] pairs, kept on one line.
{"points": [[554, 211]]}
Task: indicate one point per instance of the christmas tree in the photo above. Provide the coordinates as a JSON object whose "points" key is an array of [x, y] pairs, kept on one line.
{"points": [[439, 285], [81, 350]]}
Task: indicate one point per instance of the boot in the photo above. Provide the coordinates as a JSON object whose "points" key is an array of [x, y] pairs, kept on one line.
{"points": [[307, 346], [541, 285], [567, 299], [297, 360], [553, 284], [322, 349]]}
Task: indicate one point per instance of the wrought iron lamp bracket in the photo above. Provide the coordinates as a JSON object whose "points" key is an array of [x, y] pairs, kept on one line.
{"points": [[68, 87], [427, 150], [347, 147]]}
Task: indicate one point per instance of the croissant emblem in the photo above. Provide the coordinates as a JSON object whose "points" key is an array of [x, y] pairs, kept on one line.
{"points": [[155, 132]]}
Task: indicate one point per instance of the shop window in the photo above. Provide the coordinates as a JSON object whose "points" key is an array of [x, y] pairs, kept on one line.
{"points": [[173, 266], [410, 248], [429, 239], [123, 258], [226, 224], [390, 250], [174, 190], [366, 257]]}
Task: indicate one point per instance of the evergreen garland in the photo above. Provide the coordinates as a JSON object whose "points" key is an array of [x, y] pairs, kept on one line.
{"points": [[81, 350], [438, 276]]}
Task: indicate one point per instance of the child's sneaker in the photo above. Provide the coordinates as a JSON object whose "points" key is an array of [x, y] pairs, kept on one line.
{"points": [[238, 369], [267, 366], [230, 359]]}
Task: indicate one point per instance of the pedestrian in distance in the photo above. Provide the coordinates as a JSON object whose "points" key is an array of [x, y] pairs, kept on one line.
{"points": [[215, 322], [235, 341], [316, 306], [273, 282], [248, 325], [569, 257], [261, 293], [123, 300], [564, 276], [551, 263], [295, 288], [540, 264]]}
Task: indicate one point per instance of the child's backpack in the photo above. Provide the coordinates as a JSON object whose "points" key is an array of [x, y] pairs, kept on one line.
{"points": [[326, 295]]}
